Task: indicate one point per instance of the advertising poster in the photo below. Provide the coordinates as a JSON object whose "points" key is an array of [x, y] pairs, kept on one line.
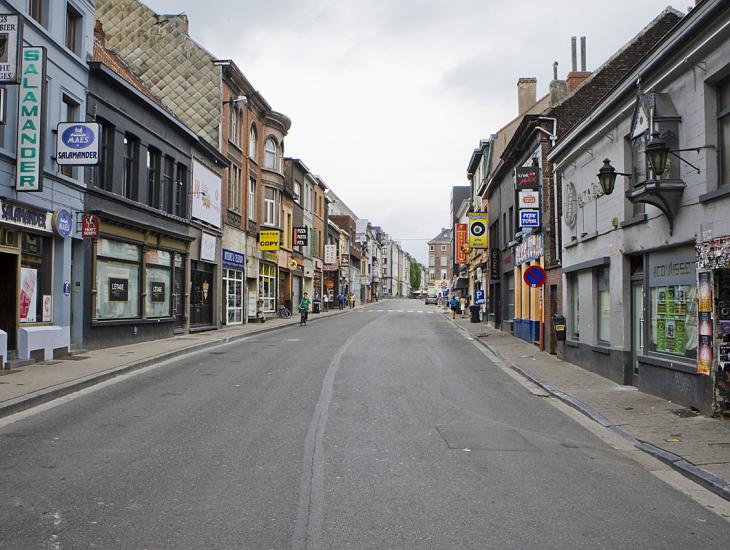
{"points": [[157, 291], [118, 290], [705, 342], [704, 355], [478, 230], [206, 195], [28, 294], [47, 305], [705, 286]]}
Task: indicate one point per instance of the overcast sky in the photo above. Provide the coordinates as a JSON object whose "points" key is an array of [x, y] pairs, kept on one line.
{"points": [[388, 98]]}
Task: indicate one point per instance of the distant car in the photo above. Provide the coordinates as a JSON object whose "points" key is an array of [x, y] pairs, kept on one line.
{"points": [[432, 300]]}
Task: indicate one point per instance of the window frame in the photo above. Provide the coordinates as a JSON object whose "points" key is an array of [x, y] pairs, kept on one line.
{"points": [[271, 154], [70, 109], [603, 322], [251, 198], [154, 177], [252, 142], [73, 14], [723, 117], [234, 188], [130, 175], [181, 190], [40, 7]]}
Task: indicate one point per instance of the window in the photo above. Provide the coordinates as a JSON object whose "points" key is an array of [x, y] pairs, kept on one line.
{"points": [[603, 310], [158, 283], [103, 174], [252, 142], [574, 306], [271, 206], [267, 287], [432, 275], [181, 191], [233, 296], [443, 248], [443, 275], [444, 259], [168, 175], [236, 124], [511, 234], [117, 280], [234, 188], [131, 154], [37, 10], [74, 29], [430, 248], [35, 274], [154, 161], [509, 312], [271, 155], [431, 260], [252, 199], [297, 192], [673, 303], [723, 122], [69, 113]]}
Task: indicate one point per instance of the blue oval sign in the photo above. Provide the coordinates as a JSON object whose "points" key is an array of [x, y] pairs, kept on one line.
{"points": [[62, 222], [78, 137]]}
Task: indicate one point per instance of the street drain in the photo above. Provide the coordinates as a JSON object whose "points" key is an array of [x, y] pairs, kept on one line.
{"points": [[485, 439]]}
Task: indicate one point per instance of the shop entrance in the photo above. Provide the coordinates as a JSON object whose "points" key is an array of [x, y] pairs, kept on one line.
{"points": [[9, 298], [201, 294], [637, 329]]}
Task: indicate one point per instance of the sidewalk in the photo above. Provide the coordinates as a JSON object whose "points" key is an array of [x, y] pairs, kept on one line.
{"points": [[41, 382], [696, 446]]}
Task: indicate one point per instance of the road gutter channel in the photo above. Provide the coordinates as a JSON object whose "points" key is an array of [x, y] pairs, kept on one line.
{"points": [[718, 486], [30, 400]]}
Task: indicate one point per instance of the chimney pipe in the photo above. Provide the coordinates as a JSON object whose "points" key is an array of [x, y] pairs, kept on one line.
{"points": [[573, 55], [555, 70], [583, 54], [526, 94]]}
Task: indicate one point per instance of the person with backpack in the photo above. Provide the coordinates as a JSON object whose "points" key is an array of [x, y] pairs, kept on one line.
{"points": [[304, 304], [454, 305]]}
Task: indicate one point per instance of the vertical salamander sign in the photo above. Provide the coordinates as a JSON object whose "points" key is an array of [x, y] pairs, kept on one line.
{"points": [[31, 100]]}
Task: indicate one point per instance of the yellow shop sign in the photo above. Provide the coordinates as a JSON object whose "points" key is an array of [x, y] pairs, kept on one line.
{"points": [[269, 240]]}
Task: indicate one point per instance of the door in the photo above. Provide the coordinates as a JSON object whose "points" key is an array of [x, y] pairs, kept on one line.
{"points": [[179, 309], [549, 322], [201, 294], [637, 328], [9, 298]]}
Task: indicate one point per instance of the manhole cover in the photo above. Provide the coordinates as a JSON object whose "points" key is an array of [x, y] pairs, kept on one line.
{"points": [[485, 439]]}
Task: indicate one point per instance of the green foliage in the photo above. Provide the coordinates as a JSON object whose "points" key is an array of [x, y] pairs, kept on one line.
{"points": [[415, 275]]}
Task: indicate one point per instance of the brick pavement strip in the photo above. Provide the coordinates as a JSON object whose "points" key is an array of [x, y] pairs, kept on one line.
{"points": [[648, 422], [29, 386]]}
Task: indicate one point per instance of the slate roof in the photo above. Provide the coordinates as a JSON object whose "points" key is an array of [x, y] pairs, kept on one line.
{"points": [[443, 237]]}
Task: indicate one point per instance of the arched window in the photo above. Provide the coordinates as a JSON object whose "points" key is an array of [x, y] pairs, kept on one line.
{"points": [[252, 142], [271, 160]]}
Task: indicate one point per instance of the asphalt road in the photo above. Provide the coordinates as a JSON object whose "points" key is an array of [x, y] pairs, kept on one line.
{"points": [[374, 430]]}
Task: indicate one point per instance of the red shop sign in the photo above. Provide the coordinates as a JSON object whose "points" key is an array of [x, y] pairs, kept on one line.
{"points": [[90, 226]]}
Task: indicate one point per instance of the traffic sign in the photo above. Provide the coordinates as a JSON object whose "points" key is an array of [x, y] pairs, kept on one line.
{"points": [[479, 297], [534, 276]]}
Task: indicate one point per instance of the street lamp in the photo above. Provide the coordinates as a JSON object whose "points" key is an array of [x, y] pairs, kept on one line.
{"points": [[607, 177], [657, 151]]}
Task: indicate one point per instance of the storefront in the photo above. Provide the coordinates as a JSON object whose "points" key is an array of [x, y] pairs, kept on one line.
{"points": [[527, 301], [137, 279], [267, 287], [32, 241], [234, 264]]}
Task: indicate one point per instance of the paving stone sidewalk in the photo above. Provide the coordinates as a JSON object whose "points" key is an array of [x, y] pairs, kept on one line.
{"points": [[691, 441], [34, 384]]}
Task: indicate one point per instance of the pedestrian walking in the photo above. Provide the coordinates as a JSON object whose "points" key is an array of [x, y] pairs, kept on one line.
{"points": [[326, 301], [454, 305], [341, 300], [351, 299], [462, 306]]}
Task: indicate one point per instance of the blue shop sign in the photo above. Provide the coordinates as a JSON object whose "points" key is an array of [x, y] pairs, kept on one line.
{"points": [[233, 259], [62, 223], [529, 218], [479, 297]]}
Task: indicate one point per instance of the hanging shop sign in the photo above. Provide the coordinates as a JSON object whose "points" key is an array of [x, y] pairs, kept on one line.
{"points": [[329, 267], [25, 216], [330, 254], [531, 248], [529, 218], [301, 236], [233, 259], [527, 177], [11, 38], [344, 260], [269, 240], [529, 199], [62, 223], [494, 264], [77, 143], [206, 195], [31, 114], [90, 226], [208, 244], [478, 230], [461, 243]]}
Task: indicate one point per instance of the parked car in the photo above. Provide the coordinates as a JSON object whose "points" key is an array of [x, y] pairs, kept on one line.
{"points": [[432, 299]]}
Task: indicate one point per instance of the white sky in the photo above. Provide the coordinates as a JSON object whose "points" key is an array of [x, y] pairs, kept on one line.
{"points": [[388, 98]]}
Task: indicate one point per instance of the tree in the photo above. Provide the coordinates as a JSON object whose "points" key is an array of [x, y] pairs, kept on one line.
{"points": [[415, 275]]}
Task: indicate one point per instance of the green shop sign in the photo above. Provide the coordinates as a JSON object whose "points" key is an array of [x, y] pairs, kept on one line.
{"points": [[31, 108]]}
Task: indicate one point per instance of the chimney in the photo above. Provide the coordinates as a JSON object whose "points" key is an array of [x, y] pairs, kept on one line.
{"points": [[558, 88], [99, 34], [526, 94], [575, 77]]}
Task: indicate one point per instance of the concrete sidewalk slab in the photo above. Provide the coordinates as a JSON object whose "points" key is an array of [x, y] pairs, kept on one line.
{"points": [[32, 385], [695, 445]]}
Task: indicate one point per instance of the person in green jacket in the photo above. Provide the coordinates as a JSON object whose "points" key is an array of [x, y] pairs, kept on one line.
{"points": [[304, 304]]}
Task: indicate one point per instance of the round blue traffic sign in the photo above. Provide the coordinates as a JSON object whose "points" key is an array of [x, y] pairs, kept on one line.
{"points": [[534, 276]]}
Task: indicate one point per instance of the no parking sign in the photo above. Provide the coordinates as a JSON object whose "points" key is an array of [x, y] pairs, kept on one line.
{"points": [[534, 276]]}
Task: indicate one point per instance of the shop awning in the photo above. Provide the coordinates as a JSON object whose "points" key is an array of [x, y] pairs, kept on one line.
{"points": [[462, 283]]}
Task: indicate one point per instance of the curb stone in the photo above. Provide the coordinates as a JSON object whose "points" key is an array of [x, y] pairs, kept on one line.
{"points": [[702, 477], [30, 400]]}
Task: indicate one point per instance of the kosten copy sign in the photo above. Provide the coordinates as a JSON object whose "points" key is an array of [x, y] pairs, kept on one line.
{"points": [[206, 195]]}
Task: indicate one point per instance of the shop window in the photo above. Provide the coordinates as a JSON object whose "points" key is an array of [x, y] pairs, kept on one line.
{"points": [[117, 280], [158, 283], [233, 296], [509, 313], [723, 130], [673, 304], [603, 310], [35, 279], [267, 287], [574, 306], [181, 190], [131, 156], [74, 29]]}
